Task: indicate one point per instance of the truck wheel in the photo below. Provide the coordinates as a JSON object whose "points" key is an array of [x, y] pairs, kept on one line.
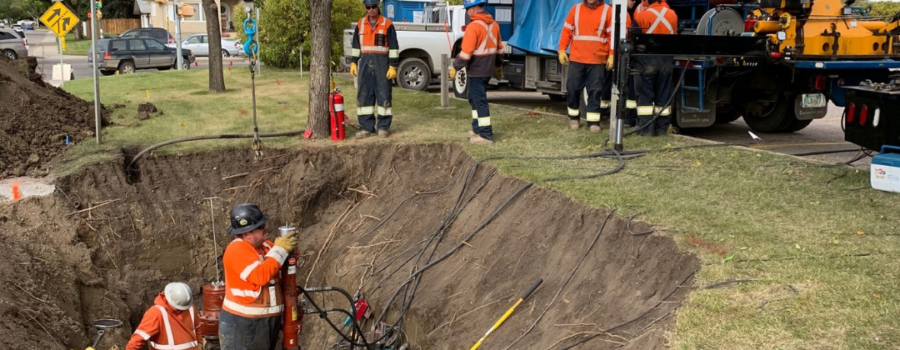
{"points": [[727, 114], [460, 90], [414, 74], [798, 125], [772, 118], [126, 67]]}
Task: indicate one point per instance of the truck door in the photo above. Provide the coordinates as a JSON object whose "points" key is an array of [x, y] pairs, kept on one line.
{"points": [[138, 51]]}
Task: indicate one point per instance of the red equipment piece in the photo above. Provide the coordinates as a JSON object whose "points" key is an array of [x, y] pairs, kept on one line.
{"points": [[336, 109], [292, 316], [213, 297]]}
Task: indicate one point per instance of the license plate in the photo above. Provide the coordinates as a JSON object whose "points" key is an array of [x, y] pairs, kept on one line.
{"points": [[813, 101]]}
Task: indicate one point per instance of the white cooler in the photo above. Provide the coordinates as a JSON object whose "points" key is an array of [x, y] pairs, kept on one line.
{"points": [[885, 170]]}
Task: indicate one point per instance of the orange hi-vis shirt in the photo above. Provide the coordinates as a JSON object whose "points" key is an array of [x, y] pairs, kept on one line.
{"points": [[657, 19], [252, 279], [589, 32], [165, 330], [481, 50], [640, 7]]}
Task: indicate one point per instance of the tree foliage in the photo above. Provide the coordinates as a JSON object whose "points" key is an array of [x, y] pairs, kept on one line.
{"points": [[285, 29], [884, 8]]}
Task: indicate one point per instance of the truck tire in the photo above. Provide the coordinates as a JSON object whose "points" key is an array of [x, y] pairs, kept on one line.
{"points": [[798, 125], [460, 90], [414, 74], [775, 118], [728, 114]]}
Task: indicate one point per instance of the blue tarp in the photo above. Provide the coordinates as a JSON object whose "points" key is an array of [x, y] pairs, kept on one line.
{"points": [[532, 19], [550, 41]]}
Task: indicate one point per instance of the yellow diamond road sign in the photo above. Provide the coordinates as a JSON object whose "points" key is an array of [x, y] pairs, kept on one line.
{"points": [[59, 19]]}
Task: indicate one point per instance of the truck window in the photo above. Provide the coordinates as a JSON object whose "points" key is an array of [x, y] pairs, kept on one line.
{"points": [[137, 45], [117, 45]]}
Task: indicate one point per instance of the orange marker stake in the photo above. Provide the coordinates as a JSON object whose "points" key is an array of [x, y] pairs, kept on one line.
{"points": [[16, 195]]}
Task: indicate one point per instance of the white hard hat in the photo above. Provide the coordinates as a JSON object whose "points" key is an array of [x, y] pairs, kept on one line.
{"points": [[178, 295]]}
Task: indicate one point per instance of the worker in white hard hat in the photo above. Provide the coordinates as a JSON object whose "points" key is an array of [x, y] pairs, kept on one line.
{"points": [[171, 323]]}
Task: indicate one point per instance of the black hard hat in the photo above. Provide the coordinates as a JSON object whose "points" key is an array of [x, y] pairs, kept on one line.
{"points": [[245, 218]]}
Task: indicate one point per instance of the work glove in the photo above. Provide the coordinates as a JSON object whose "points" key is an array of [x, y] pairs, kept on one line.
{"points": [[353, 70], [89, 348], [610, 62], [498, 73], [392, 73], [452, 73], [288, 241], [563, 58]]}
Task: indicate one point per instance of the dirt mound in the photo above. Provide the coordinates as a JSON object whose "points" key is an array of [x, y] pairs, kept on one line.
{"points": [[107, 243], [36, 119]]}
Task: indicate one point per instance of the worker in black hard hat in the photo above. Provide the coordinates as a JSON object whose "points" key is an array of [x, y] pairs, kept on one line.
{"points": [[252, 311], [374, 57]]}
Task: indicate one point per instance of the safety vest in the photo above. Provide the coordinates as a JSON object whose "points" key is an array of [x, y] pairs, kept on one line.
{"points": [[374, 40], [489, 44], [252, 281], [657, 19], [588, 30], [165, 331]]}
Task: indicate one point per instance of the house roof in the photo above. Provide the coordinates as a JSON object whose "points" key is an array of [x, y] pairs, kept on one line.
{"points": [[141, 7]]}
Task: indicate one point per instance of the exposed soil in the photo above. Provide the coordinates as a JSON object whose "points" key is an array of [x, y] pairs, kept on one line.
{"points": [[360, 207], [36, 118]]}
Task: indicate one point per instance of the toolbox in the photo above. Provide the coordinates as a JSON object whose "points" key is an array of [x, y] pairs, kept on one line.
{"points": [[885, 170]]}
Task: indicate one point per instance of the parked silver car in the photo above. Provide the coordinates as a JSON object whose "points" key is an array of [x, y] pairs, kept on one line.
{"points": [[13, 44], [199, 45]]}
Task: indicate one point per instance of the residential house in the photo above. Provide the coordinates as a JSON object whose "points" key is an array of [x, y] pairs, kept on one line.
{"points": [[159, 14]]}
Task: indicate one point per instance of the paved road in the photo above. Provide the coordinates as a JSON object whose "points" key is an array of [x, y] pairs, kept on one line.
{"points": [[823, 135]]}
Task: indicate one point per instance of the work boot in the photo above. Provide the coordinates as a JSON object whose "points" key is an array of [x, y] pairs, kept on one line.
{"points": [[478, 140], [382, 133], [574, 124], [470, 133], [595, 128], [362, 134]]}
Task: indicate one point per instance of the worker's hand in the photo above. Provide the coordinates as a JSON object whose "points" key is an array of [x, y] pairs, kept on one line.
{"points": [[288, 241], [610, 62], [353, 70], [89, 348], [392, 73], [498, 73], [563, 58], [452, 73]]}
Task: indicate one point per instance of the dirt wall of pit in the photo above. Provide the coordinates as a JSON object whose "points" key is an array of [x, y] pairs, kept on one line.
{"points": [[108, 241]]}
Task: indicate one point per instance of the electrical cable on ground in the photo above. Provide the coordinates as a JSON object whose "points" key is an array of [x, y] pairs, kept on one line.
{"points": [[572, 274]]}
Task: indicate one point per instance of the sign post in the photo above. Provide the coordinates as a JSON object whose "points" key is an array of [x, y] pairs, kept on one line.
{"points": [[60, 20]]}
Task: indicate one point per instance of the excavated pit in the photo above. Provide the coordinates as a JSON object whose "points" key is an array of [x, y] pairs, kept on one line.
{"points": [[365, 209]]}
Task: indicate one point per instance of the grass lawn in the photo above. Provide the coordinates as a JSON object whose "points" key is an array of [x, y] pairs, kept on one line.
{"points": [[76, 47], [814, 248]]}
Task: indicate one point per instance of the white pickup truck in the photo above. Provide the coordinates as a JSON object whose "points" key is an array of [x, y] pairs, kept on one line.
{"points": [[422, 44]]}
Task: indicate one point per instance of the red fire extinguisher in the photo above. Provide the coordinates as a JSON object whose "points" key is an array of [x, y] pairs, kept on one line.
{"points": [[336, 108], [292, 315]]}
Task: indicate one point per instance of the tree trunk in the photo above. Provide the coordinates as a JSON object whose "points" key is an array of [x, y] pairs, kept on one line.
{"points": [[319, 80], [214, 35]]}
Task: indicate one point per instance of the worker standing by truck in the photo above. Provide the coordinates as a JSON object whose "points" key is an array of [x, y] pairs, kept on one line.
{"points": [[482, 55], [251, 314], [374, 59], [654, 84], [588, 27]]}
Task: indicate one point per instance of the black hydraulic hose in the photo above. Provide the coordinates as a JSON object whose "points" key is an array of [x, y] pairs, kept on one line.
{"points": [[210, 137], [668, 104], [322, 314], [618, 168]]}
